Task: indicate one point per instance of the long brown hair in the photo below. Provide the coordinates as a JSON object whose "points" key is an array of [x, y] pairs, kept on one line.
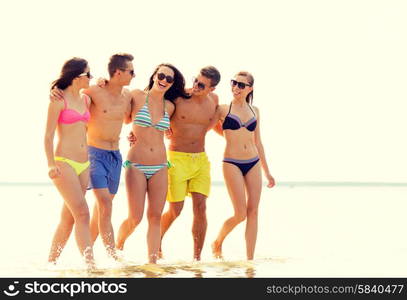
{"points": [[178, 87], [250, 79], [71, 69]]}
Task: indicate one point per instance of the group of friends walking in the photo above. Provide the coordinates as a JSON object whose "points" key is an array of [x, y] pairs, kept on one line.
{"points": [[88, 121]]}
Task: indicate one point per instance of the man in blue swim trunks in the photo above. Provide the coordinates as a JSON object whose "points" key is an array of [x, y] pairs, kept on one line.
{"points": [[110, 107]]}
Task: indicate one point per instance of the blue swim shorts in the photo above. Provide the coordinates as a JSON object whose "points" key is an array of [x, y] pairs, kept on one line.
{"points": [[105, 169]]}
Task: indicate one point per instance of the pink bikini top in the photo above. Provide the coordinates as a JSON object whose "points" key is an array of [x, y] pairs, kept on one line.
{"points": [[69, 116]]}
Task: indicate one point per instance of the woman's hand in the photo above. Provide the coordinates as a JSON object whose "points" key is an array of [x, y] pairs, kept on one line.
{"points": [[54, 172], [270, 180]]}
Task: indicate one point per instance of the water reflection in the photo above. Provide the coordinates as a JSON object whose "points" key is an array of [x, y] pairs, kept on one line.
{"points": [[213, 269], [250, 272]]}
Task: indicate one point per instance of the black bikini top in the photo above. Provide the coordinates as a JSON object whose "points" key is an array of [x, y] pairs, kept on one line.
{"points": [[233, 122]]}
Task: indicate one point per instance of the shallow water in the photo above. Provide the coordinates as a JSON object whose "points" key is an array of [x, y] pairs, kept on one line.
{"points": [[304, 231]]}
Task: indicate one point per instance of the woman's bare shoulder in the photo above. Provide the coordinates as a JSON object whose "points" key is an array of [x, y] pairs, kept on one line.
{"points": [[138, 95]]}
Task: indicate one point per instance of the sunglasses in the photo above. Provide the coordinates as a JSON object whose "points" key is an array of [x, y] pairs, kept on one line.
{"points": [[200, 85], [131, 72], [87, 74], [169, 78], [240, 85]]}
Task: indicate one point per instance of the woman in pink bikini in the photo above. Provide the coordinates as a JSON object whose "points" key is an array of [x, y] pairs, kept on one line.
{"points": [[68, 164]]}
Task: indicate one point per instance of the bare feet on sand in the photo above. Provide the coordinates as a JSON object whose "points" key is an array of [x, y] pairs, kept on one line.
{"points": [[160, 254], [217, 249]]}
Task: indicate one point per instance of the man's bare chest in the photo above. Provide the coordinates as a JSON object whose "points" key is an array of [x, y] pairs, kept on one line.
{"points": [[192, 113], [111, 108]]}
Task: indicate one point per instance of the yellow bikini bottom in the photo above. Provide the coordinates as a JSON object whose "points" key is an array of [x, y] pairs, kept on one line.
{"points": [[77, 166]]}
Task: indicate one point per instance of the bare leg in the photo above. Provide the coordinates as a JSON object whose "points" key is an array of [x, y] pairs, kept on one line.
{"points": [[65, 226], [94, 223], [157, 192], [136, 187], [174, 210], [61, 234], [253, 183], [200, 223], [235, 184], [70, 187], [104, 209]]}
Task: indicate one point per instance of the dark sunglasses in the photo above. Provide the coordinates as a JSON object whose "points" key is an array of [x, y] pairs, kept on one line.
{"points": [[131, 72], [169, 78], [87, 74], [200, 85], [240, 85]]}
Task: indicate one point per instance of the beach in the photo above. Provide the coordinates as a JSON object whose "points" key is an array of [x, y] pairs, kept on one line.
{"points": [[305, 230]]}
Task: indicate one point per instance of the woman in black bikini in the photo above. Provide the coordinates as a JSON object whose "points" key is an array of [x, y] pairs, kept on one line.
{"points": [[241, 167]]}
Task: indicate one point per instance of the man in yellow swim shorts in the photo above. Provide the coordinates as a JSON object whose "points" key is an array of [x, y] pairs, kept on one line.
{"points": [[189, 173]]}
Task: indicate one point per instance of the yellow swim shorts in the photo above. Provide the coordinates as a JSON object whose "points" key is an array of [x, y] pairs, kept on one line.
{"points": [[189, 173]]}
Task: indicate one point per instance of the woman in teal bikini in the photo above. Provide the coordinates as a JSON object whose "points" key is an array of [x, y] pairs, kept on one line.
{"points": [[68, 164], [146, 164]]}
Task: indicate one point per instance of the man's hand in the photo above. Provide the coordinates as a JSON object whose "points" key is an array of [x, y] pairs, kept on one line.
{"points": [[101, 82], [131, 138], [218, 128], [168, 133], [56, 95]]}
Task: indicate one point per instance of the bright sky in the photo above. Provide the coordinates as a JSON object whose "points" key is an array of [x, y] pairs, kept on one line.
{"points": [[330, 76]]}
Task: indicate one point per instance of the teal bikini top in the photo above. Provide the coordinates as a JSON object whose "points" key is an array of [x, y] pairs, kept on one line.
{"points": [[143, 118]]}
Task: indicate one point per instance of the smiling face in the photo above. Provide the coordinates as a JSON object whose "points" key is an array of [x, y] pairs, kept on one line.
{"points": [[240, 87], [163, 79], [126, 74], [202, 85]]}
